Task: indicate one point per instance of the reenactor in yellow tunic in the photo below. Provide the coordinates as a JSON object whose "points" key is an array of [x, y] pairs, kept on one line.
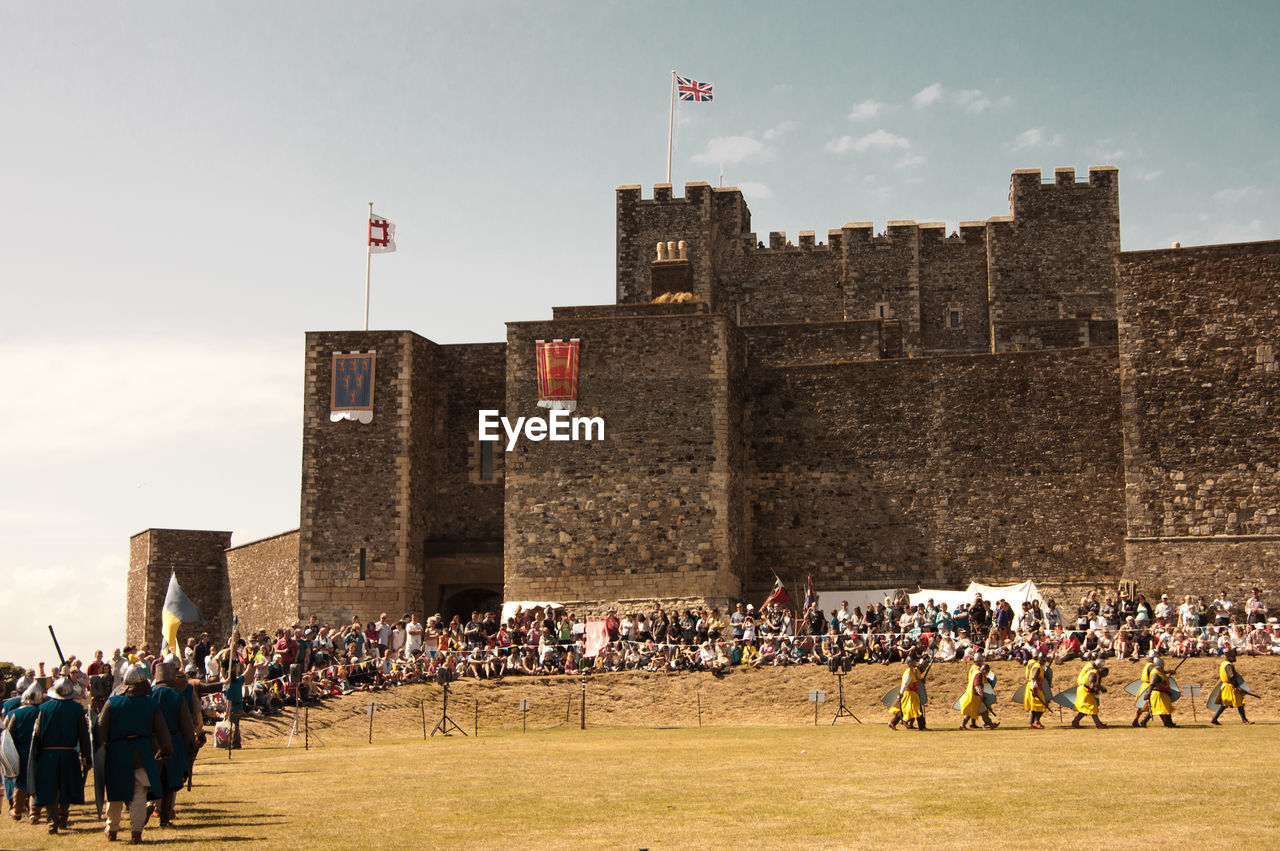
{"points": [[911, 709], [1161, 694], [1143, 713], [1232, 693], [973, 704], [1088, 687], [1033, 698]]}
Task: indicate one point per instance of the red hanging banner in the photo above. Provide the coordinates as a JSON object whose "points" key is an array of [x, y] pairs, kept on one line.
{"points": [[557, 374]]}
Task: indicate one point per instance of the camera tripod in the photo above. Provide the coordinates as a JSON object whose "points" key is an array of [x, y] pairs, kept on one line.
{"points": [[842, 711], [445, 725]]}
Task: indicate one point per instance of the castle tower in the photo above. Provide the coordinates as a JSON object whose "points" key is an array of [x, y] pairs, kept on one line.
{"points": [[198, 559]]}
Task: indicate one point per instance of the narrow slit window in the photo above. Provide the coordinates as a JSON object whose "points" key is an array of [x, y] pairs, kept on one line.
{"points": [[953, 319], [362, 564], [486, 460]]}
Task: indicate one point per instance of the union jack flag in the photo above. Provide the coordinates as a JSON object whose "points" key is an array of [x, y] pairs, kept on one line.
{"points": [[692, 89]]}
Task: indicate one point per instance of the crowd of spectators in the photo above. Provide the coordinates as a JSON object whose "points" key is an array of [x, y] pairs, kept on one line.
{"points": [[260, 673]]}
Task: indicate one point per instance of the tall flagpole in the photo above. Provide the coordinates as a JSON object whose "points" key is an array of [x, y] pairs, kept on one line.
{"points": [[368, 252], [671, 123]]}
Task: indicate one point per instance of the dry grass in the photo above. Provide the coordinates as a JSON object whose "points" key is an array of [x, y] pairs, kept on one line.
{"points": [[628, 781]]}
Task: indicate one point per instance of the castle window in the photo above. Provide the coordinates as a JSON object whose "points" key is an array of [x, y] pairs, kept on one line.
{"points": [[953, 319], [362, 564], [882, 310], [484, 462]]}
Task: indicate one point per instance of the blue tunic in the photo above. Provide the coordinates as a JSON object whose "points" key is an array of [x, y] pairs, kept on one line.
{"points": [[58, 778], [24, 724], [129, 734], [171, 704]]}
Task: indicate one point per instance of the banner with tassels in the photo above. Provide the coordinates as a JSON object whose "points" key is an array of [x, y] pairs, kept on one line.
{"points": [[557, 374]]}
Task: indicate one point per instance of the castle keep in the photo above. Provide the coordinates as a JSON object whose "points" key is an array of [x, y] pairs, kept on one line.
{"points": [[1015, 399]]}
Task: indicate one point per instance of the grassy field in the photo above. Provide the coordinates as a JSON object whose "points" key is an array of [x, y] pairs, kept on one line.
{"points": [[663, 782]]}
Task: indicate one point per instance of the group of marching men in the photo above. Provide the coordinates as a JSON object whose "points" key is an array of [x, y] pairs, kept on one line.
{"points": [[1155, 693], [144, 739]]}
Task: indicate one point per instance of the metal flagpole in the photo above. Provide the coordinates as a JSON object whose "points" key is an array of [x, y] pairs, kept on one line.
{"points": [[671, 123], [367, 254]]}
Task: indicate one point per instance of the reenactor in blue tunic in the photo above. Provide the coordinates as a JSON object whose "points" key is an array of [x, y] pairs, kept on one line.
{"points": [[21, 724], [134, 734], [176, 711], [61, 744]]}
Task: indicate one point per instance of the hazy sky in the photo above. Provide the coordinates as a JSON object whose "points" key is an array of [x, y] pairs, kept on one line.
{"points": [[183, 189]]}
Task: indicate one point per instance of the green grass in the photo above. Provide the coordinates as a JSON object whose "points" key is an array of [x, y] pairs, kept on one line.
{"points": [[842, 786]]}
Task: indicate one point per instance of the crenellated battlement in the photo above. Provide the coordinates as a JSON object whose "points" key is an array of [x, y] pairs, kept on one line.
{"points": [[1027, 187], [695, 192]]}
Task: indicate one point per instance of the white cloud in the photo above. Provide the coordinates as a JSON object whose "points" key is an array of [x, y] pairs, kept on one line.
{"points": [[1232, 231], [879, 140], [908, 161], [118, 394], [866, 110], [734, 149], [1036, 138], [926, 96], [775, 132], [1147, 175], [973, 100], [1233, 195], [755, 190]]}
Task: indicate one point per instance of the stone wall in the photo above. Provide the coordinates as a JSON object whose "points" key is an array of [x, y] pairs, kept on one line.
{"points": [[814, 342], [359, 518], [1024, 335], [1198, 337], [953, 277], [198, 560], [263, 576], [1052, 256], [653, 510], [990, 467], [1049, 259]]}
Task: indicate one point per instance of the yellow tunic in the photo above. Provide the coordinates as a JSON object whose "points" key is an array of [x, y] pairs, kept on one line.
{"points": [[1161, 700], [1230, 695], [1146, 681], [909, 697], [1086, 697], [1033, 697], [972, 703]]}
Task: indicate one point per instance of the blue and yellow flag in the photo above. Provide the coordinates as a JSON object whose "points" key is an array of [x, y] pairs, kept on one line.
{"points": [[178, 609]]}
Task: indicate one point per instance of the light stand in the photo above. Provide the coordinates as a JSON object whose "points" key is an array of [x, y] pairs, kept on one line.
{"points": [[445, 725], [840, 666]]}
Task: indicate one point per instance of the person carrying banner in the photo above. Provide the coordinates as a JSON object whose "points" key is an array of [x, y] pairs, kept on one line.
{"points": [[21, 724], [1088, 687], [176, 712], [134, 733], [60, 740], [1232, 691], [1161, 694], [911, 708], [1033, 697], [1143, 713]]}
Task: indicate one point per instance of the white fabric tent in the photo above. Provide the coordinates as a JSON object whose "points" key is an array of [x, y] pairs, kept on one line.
{"points": [[1015, 594], [509, 608]]}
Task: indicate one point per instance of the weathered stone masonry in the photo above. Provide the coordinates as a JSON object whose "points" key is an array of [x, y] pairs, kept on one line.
{"points": [[1015, 399]]}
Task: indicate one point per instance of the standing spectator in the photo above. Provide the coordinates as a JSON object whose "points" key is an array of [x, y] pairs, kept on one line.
{"points": [[203, 647], [396, 643], [413, 637], [1164, 610], [384, 633], [1255, 609]]}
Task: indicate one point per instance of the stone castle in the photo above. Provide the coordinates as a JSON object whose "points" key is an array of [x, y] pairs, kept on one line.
{"points": [[1016, 399]]}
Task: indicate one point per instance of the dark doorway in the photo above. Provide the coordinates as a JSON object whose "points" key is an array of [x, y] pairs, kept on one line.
{"points": [[462, 603]]}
